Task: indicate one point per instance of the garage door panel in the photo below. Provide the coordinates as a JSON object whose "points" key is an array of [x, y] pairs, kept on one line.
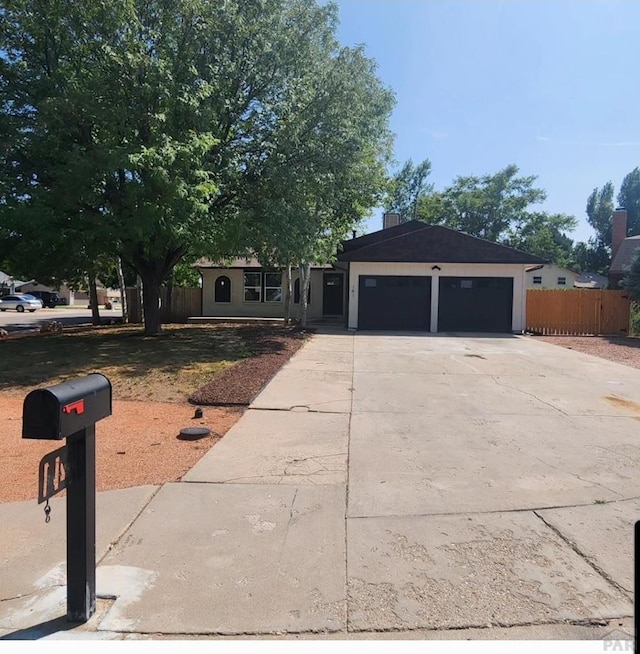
{"points": [[394, 302], [475, 304]]}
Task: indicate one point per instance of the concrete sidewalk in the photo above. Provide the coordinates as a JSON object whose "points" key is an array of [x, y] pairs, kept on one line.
{"points": [[381, 486]]}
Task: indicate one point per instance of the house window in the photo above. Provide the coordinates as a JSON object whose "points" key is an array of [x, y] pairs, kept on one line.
{"points": [[222, 290], [537, 280], [562, 281], [253, 287], [296, 292], [273, 287], [262, 287]]}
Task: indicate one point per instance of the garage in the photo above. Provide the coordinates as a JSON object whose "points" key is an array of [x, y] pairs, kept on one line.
{"points": [[475, 304], [399, 302], [419, 277]]}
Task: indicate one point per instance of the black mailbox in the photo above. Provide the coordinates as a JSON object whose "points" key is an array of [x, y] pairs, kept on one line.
{"points": [[59, 411]]}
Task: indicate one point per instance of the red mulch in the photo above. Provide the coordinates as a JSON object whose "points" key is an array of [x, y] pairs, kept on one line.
{"points": [[239, 384], [621, 349]]}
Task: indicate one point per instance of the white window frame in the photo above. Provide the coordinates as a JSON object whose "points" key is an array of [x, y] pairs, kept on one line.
{"points": [[537, 279], [271, 288], [562, 281], [253, 287]]}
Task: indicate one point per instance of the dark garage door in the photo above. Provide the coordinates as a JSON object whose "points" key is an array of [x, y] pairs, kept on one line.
{"points": [[475, 304], [394, 302]]}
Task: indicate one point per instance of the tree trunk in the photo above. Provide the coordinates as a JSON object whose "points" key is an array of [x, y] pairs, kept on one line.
{"points": [[169, 303], [288, 292], [305, 278], [153, 272], [151, 303], [93, 300], [123, 292], [139, 300]]}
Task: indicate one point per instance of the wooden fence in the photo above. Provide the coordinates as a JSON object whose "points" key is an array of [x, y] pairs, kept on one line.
{"points": [[577, 312], [185, 302]]}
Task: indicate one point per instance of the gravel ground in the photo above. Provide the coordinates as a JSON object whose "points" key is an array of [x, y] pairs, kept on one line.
{"points": [[614, 348], [137, 445]]}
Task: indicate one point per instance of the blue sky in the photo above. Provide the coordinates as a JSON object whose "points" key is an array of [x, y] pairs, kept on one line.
{"points": [[549, 85]]}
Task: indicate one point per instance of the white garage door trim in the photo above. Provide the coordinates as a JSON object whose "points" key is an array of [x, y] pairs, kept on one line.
{"points": [[517, 271]]}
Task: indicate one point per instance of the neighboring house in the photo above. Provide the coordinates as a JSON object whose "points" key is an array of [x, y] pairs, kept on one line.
{"points": [[9, 284], [549, 276], [552, 276], [421, 277], [623, 248], [591, 280], [244, 289], [65, 293], [72, 298]]}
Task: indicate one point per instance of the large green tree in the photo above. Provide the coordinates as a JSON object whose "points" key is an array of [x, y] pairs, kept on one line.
{"points": [[150, 126]]}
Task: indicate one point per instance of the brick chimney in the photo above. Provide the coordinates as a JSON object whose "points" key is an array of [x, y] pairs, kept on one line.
{"points": [[618, 230], [390, 220]]}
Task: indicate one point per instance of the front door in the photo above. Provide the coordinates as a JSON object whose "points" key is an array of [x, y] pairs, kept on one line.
{"points": [[332, 294]]}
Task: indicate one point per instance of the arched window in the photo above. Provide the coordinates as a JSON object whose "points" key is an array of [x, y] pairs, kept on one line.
{"points": [[222, 289], [296, 292]]}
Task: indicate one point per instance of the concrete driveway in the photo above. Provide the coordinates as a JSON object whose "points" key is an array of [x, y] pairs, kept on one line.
{"points": [[411, 484]]}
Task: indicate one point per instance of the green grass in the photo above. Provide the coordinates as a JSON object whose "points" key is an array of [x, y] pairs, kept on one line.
{"points": [[167, 367]]}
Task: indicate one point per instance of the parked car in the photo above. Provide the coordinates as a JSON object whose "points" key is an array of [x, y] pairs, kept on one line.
{"points": [[20, 302], [49, 299]]}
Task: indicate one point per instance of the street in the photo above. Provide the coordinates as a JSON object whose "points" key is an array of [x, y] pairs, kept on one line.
{"points": [[13, 321]]}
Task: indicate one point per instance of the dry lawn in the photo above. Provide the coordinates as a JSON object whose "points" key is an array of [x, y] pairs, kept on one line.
{"points": [[164, 368]]}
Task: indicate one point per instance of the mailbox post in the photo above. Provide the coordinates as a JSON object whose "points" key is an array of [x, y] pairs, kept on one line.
{"points": [[70, 410]]}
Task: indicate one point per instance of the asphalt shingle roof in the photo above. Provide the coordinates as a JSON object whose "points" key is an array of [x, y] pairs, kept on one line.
{"points": [[421, 243], [624, 255]]}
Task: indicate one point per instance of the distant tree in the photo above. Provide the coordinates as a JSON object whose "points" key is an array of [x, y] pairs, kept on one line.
{"points": [[629, 199], [631, 282], [184, 275], [600, 213], [498, 208], [543, 234], [407, 187], [590, 257], [488, 206]]}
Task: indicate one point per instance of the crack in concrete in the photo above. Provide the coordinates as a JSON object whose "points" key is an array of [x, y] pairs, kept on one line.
{"points": [[489, 512], [590, 623], [31, 592], [577, 476], [533, 395], [299, 406], [128, 526], [592, 564], [347, 612], [314, 459], [286, 533]]}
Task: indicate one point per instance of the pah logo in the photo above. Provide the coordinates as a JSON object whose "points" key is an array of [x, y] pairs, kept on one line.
{"points": [[617, 640]]}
